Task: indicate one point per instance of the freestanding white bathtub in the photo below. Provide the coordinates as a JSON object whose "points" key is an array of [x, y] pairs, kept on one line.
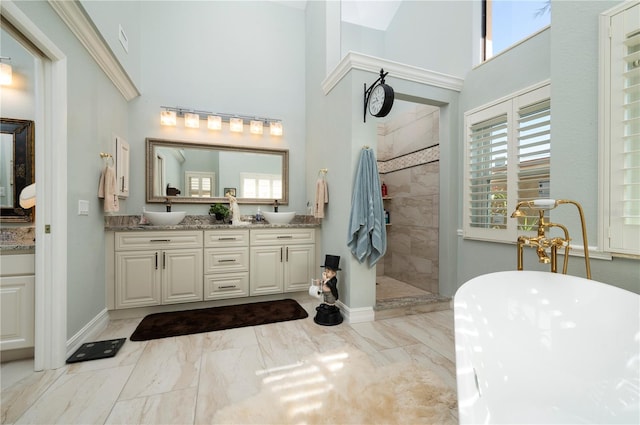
{"points": [[541, 347]]}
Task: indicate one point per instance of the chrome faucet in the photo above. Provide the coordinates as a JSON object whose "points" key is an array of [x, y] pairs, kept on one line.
{"points": [[542, 243], [275, 206]]}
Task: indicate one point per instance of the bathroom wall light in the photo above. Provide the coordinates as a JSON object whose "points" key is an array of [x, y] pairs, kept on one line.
{"points": [[168, 118], [255, 127], [168, 115], [6, 72], [236, 125], [191, 120], [275, 128], [214, 122]]}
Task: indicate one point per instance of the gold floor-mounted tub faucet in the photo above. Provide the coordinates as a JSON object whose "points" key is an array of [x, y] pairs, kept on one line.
{"points": [[541, 242]]}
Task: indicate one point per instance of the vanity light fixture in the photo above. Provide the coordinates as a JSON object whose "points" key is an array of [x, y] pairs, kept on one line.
{"points": [[6, 72], [169, 114], [236, 125], [168, 118], [191, 120], [214, 122], [275, 128], [255, 127]]}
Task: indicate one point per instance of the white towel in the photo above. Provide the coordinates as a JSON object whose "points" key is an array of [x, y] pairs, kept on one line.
{"points": [[322, 197], [107, 189]]}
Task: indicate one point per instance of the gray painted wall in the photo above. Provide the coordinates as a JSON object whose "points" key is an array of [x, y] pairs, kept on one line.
{"points": [[567, 54], [95, 112], [221, 57]]}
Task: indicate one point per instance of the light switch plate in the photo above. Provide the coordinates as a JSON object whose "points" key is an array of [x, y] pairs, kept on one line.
{"points": [[83, 207]]}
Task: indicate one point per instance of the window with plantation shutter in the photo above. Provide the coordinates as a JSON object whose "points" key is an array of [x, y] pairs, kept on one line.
{"points": [[507, 160], [199, 184], [620, 142], [534, 150]]}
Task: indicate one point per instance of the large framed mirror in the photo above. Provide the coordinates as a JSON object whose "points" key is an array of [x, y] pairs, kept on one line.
{"points": [[17, 167], [200, 173]]}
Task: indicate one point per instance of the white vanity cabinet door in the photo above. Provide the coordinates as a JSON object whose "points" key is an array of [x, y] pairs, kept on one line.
{"points": [[266, 270], [299, 267], [155, 267], [138, 278], [181, 276], [282, 260], [17, 301]]}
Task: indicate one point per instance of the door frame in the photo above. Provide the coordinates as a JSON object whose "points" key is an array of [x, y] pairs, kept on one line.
{"points": [[51, 193]]}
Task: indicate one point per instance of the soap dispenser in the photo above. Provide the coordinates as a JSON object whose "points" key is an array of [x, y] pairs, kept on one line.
{"points": [[259, 215]]}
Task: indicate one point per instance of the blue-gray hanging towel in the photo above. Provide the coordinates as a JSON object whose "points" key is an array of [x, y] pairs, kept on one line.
{"points": [[367, 237]]}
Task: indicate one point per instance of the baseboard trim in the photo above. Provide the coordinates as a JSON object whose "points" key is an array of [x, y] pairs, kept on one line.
{"points": [[357, 315], [89, 332]]}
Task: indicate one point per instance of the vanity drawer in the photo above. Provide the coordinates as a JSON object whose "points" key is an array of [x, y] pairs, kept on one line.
{"points": [[282, 236], [130, 241], [217, 260], [224, 238], [227, 285]]}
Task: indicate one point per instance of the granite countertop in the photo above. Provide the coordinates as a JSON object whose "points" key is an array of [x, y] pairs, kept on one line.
{"points": [[202, 222], [18, 240]]}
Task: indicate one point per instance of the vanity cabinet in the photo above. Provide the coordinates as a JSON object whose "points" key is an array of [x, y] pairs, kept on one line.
{"points": [[17, 301], [153, 268], [282, 260], [226, 264]]}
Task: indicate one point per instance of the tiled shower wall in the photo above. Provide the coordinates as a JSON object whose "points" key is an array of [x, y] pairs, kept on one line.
{"points": [[408, 161]]}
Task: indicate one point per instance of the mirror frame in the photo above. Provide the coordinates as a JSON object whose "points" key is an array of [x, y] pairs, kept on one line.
{"points": [[152, 142], [23, 167]]}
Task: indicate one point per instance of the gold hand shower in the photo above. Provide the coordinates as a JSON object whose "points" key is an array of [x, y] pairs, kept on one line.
{"points": [[541, 242]]}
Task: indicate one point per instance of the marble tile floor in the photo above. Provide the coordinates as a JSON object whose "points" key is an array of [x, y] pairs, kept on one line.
{"points": [[395, 298], [185, 380]]}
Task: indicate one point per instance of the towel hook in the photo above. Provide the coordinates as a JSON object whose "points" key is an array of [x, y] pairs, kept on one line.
{"points": [[107, 156], [323, 171]]}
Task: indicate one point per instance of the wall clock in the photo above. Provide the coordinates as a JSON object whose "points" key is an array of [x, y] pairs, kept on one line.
{"points": [[378, 98]]}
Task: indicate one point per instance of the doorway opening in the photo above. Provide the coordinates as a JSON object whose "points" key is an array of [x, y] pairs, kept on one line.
{"points": [[409, 164]]}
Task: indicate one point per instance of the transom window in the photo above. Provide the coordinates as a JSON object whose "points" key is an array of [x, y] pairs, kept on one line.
{"points": [[508, 22]]}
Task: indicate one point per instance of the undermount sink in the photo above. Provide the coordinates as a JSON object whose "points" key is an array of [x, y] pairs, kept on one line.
{"points": [[165, 218], [279, 217]]}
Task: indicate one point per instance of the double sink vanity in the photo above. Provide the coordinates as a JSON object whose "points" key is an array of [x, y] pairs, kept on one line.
{"points": [[151, 265]]}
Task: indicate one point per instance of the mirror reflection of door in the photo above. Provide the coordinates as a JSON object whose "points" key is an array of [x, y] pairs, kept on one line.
{"points": [[6, 170], [159, 176]]}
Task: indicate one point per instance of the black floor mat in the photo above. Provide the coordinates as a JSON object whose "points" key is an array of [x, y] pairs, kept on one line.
{"points": [[96, 350]]}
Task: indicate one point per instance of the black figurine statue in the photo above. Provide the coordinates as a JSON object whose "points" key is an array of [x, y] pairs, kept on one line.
{"points": [[328, 314]]}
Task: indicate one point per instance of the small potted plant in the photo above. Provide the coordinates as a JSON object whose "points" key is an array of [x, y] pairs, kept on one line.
{"points": [[220, 211]]}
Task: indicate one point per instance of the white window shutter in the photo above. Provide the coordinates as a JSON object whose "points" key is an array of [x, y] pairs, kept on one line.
{"points": [[624, 143]]}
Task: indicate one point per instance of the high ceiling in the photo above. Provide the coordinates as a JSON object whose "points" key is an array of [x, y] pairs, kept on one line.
{"points": [[376, 14]]}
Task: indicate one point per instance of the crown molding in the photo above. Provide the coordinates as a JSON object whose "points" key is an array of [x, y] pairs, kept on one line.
{"points": [[354, 60], [74, 16]]}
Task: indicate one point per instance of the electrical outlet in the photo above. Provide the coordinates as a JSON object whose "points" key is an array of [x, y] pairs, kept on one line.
{"points": [[124, 40]]}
